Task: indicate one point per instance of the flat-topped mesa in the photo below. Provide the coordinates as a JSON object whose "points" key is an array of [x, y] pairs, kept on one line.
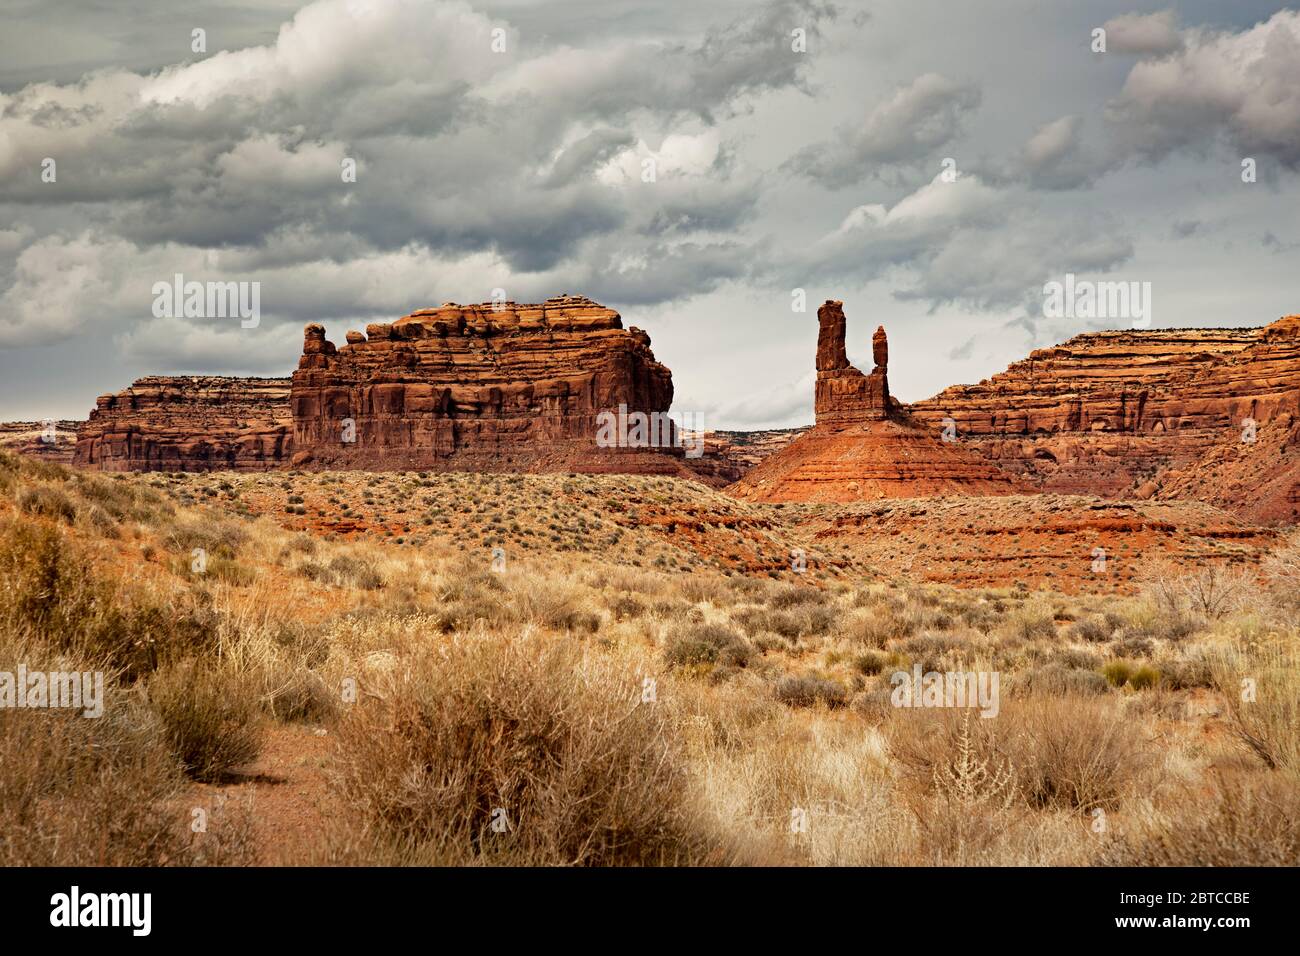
{"points": [[1146, 413], [844, 395], [492, 386], [188, 423]]}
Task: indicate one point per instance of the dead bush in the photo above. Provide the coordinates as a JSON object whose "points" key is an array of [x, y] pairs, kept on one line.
{"points": [[515, 749], [210, 717]]}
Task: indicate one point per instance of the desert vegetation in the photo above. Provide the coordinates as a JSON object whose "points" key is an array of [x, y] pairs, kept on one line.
{"points": [[604, 691]]}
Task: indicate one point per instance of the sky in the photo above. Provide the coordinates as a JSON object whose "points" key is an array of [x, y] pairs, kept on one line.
{"points": [[702, 166]]}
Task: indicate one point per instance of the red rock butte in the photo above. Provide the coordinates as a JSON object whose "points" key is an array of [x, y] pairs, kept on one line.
{"points": [[864, 446], [490, 387]]}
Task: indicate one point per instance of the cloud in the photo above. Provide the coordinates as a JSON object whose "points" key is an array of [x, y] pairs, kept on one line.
{"points": [[1150, 34], [963, 242], [516, 168], [1239, 88], [1055, 156], [909, 126]]}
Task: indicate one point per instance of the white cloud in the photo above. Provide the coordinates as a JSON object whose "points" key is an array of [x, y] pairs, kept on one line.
{"points": [[1241, 86]]}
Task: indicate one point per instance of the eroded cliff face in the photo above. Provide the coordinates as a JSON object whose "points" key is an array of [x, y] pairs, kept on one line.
{"points": [[49, 440], [843, 394], [1145, 414], [189, 423], [477, 387], [481, 387]]}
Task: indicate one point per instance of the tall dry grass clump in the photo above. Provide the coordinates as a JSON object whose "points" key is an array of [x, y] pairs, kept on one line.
{"points": [[544, 738], [1246, 822], [210, 717], [103, 791], [1260, 685], [1069, 752]]}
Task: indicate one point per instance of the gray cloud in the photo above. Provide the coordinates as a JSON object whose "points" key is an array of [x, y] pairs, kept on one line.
{"points": [[669, 165], [1150, 34], [909, 126], [1238, 88]]}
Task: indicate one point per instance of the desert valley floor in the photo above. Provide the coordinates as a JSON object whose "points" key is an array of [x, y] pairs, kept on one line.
{"points": [[415, 667]]}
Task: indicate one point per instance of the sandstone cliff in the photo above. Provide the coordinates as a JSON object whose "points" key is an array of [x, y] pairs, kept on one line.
{"points": [[54, 441], [863, 445], [482, 387], [1161, 413], [189, 423]]}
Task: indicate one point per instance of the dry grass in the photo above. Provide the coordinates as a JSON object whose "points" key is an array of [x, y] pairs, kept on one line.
{"points": [[1260, 684], [770, 739], [209, 717], [517, 749], [98, 792]]}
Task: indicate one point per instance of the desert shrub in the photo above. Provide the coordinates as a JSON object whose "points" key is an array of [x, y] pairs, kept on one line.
{"points": [[1260, 685], [1092, 630], [980, 615], [219, 538], [121, 500], [1120, 672], [756, 620], [1034, 618], [1195, 668], [808, 691], [872, 661], [209, 717], [351, 571], [878, 624], [873, 704], [1135, 674], [546, 738], [1134, 646], [795, 595], [699, 590], [299, 695], [553, 605], [1075, 752], [48, 501], [1213, 590], [101, 792], [96, 520], [1061, 679], [1243, 823], [934, 651], [55, 594], [706, 644], [1069, 753], [625, 607], [811, 618], [1282, 573], [1075, 658], [971, 808]]}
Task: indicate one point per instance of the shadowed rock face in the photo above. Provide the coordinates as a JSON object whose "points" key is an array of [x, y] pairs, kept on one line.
{"points": [[1145, 414], [189, 423], [480, 387]]}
